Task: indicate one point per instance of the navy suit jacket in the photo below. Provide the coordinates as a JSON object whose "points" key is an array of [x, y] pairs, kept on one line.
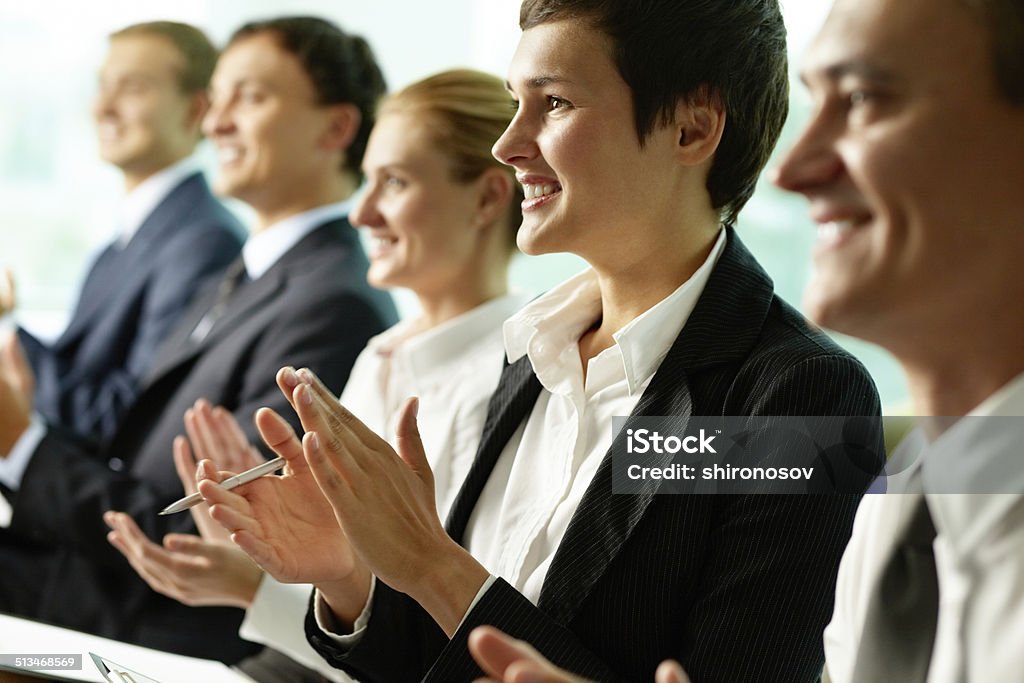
{"points": [[130, 301], [313, 309], [736, 587]]}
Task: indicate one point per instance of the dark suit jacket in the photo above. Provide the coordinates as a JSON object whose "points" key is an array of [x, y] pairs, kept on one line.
{"points": [[130, 301], [738, 588], [313, 308]]}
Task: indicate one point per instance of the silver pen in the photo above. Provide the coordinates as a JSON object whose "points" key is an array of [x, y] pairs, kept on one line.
{"points": [[229, 483]]}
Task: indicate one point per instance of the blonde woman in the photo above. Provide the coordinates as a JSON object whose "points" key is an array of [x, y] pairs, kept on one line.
{"points": [[441, 216]]}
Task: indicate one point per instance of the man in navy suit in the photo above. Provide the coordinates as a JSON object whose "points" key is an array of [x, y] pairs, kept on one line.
{"points": [[291, 109], [171, 232]]}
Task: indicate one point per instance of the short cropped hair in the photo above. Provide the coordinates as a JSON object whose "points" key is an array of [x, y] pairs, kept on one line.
{"points": [[199, 53], [341, 66], [465, 112], [1004, 20], [672, 50]]}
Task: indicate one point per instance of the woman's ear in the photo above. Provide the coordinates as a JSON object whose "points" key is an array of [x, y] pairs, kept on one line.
{"points": [[495, 192], [700, 123]]}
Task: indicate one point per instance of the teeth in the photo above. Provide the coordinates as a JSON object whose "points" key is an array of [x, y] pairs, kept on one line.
{"points": [[226, 155], [831, 232], [531, 191]]}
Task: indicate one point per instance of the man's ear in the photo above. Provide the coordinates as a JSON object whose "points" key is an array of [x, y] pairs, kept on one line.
{"points": [[495, 191], [342, 125], [198, 105], [699, 122]]}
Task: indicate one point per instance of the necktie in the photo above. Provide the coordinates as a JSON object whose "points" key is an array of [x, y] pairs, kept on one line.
{"points": [[899, 628], [235, 276]]}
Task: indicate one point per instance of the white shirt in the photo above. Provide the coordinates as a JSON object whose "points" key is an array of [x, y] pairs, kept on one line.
{"points": [[979, 547], [453, 368], [265, 248], [259, 253], [547, 465], [137, 205]]}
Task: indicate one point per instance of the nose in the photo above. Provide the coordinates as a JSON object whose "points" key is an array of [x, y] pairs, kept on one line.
{"points": [[814, 160], [217, 120], [517, 144], [366, 212], [103, 104]]}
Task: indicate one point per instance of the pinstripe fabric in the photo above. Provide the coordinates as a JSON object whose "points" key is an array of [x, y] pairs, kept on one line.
{"points": [[739, 588]]}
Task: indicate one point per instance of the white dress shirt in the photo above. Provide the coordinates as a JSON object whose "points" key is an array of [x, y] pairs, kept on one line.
{"points": [[137, 205], [547, 465], [979, 547], [453, 368]]}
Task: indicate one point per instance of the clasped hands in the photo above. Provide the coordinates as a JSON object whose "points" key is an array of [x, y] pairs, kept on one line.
{"points": [[348, 506]]}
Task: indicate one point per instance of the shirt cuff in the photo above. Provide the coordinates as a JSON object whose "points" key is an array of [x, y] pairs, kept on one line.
{"points": [[12, 468], [329, 625], [479, 594]]}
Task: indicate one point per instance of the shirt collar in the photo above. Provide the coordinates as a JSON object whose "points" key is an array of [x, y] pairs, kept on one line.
{"points": [[425, 353], [137, 205], [557, 319], [980, 453], [261, 251]]}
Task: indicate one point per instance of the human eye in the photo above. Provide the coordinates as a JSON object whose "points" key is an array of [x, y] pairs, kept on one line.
{"points": [[251, 95], [393, 182], [556, 103]]}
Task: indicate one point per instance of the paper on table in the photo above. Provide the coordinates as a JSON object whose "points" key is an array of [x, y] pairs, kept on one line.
{"points": [[30, 637]]}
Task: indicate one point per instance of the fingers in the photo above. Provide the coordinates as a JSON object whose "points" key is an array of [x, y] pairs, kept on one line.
{"points": [[407, 438], [185, 464], [330, 471], [506, 659], [228, 427], [259, 551], [20, 372], [280, 437], [201, 440], [320, 403], [670, 672], [8, 292]]}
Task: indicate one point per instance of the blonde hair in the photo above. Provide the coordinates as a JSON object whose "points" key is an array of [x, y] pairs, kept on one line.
{"points": [[465, 111]]}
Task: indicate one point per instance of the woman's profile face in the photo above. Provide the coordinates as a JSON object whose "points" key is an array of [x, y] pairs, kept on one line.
{"points": [[589, 185], [422, 223]]}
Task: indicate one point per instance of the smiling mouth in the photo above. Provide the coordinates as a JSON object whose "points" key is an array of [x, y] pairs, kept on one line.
{"points": [[833, 233], [380, 245], [536, 194], [532, 191], [228, 155]]}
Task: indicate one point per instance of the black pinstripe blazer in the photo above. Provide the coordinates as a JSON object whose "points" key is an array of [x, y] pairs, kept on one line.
{"points": [[738, 588]]}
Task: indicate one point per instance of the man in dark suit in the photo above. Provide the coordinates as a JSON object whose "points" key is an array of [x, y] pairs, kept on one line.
{"points": [[640, 132], [172, 233], [292, 105]]}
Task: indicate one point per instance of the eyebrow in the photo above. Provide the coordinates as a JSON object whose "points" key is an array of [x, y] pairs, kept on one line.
{"points": [[853, 67], [540, 81]]}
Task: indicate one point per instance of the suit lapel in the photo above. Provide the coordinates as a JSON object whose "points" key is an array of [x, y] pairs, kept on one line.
{"points": [[116, 268], [250, 300], [723, 328]]}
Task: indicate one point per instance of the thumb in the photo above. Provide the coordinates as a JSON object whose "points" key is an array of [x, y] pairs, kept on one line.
{"points": [[279, 435], [407, 438], [186, 544], [670, 672], [185, 464], [207, 470]]}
